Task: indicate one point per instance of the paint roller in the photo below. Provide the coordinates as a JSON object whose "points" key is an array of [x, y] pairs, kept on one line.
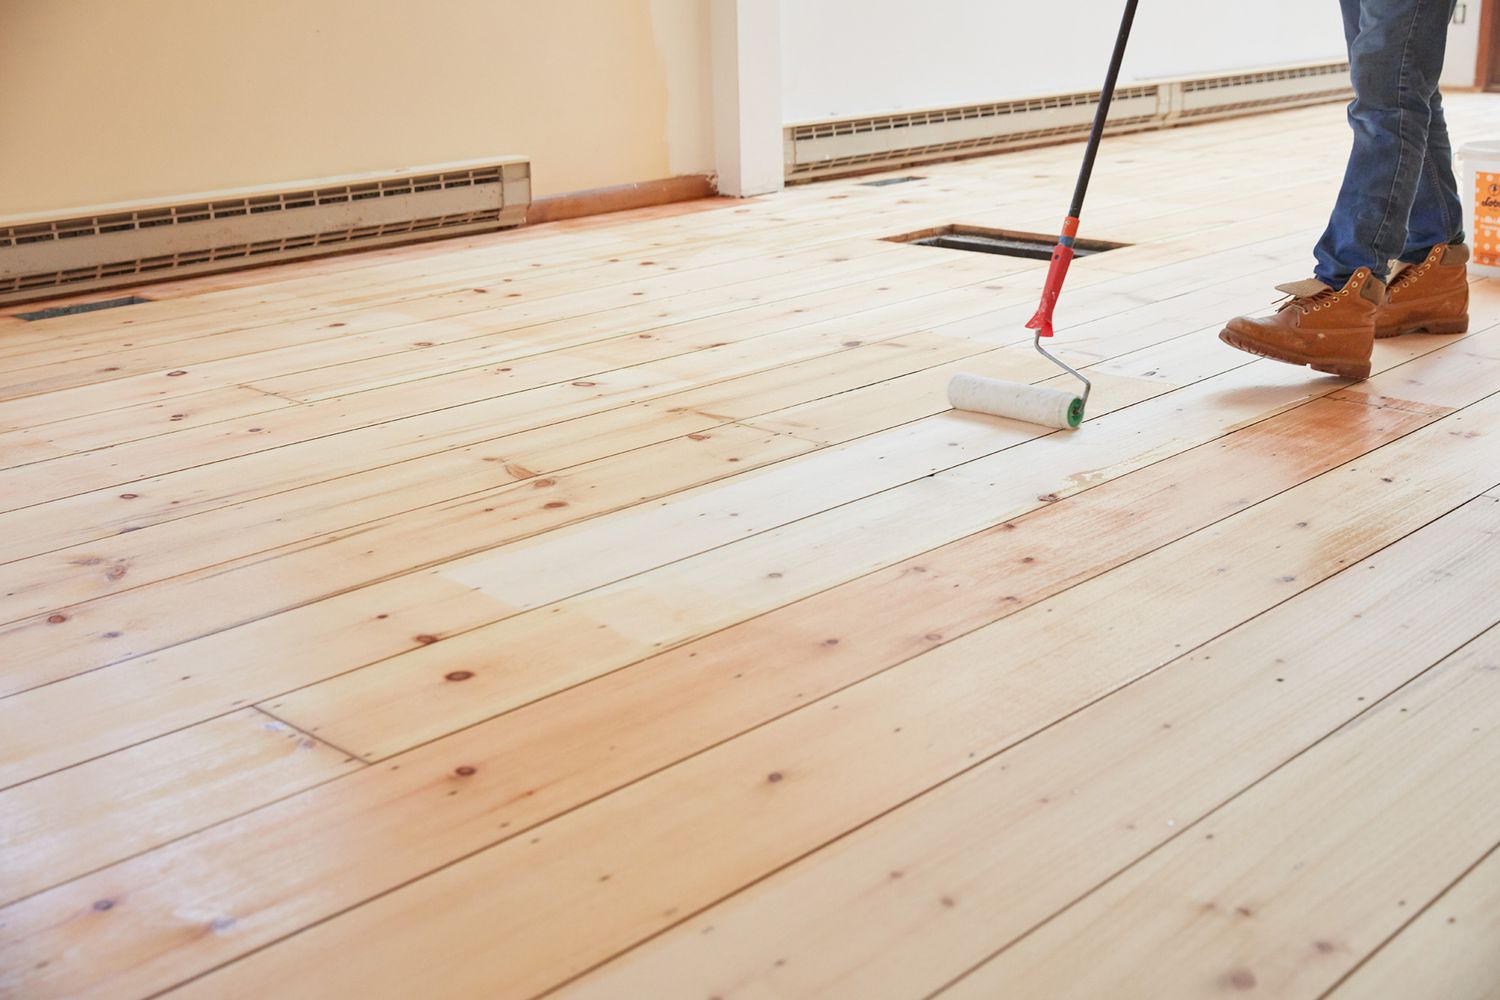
{"points": [[1038, 404]]}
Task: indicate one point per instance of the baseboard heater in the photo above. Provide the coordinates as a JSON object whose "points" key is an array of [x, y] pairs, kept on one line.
{"points": [[844, 146], [125, 244]]}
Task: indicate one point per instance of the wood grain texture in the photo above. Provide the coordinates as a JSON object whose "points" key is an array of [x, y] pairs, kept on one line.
{"points": [[920, 896], [789, 788], [90, 816], [1282, 888], [624, 577], [620, 609], [668, 707], [1447, 951]]}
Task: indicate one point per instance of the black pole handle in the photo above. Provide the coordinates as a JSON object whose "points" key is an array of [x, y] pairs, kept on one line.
{"points": [[1105, 97]]}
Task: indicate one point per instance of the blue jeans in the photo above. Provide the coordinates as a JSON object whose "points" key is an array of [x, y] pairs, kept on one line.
{"points": [[1399, 197]]}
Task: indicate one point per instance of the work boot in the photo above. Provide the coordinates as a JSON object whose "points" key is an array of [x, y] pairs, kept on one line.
{"points": [[1328, 330], [1430, 297]]}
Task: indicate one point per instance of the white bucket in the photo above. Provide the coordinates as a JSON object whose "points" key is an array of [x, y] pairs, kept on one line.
{"points": [[1481, 193]]}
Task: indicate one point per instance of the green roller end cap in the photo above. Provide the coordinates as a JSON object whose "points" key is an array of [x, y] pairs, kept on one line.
{"points": [[1075, 414]]}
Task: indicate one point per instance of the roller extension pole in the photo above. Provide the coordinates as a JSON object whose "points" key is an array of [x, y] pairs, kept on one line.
{"points": [[1037, 404]]}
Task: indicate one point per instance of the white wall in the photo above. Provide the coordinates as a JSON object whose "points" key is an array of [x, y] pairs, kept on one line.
{"points": [[852, 57], [106, 101], [1460, 68], [746, 56]]}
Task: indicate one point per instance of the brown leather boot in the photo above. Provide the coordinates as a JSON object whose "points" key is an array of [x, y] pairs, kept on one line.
{"points": [[1430, 297], [1327, 330]]}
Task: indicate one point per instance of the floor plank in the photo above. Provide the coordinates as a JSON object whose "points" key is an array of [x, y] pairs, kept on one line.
{"points": [[636, 860], [271, 358], [23, 446], [206, 692], [1284, 887], [96, 514], [618, 607], [878, 915], [1447, 951], [91, 816], [623, 369], [55, 635], [629, 576], [667, 708], [623, 606]]}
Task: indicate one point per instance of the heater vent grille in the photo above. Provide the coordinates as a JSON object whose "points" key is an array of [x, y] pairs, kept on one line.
{"points": [[1331, 71], [895, 141], [966, 113], [961, 147], [176, 215], [1248, 93], [1262, 104], [147, 266], [124, 244]]}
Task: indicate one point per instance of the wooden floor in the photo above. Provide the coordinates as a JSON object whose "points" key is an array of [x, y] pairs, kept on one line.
{"points": [[614, 608]]}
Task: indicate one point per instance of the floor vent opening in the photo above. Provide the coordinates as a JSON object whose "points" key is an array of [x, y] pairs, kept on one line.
{"points": [[82, 307], [888, 181], [1006, 242]]}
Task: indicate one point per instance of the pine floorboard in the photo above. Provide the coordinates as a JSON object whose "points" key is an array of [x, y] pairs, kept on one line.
{"points": [[614, 608]]}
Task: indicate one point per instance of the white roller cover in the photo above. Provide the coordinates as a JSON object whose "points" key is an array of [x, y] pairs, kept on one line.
{"points": [[1032, 403]]}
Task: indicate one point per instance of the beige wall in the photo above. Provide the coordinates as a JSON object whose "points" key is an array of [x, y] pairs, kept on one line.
{"points": [[104, 101]]}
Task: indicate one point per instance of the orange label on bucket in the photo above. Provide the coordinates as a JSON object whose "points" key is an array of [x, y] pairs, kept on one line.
{"points": [[1486, 238]]}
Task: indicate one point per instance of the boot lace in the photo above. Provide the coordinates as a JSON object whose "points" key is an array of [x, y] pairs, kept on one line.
{"points": [[1404, 274], [1309, 296]]}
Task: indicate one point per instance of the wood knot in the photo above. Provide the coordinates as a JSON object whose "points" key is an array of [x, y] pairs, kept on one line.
{"points": [[1242, 979]]}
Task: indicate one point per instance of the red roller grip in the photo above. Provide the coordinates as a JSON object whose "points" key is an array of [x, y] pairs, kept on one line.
{"points": [[1062, 256], [1042, 322]]}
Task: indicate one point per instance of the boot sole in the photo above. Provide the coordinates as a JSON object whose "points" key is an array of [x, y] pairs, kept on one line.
{"points": [[1355, 370], [1459, 324]]}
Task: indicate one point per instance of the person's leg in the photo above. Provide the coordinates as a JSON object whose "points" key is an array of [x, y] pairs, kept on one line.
{"points": [[1350, 10], [1436, 212], [1395, 57], [1430, 292]]}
